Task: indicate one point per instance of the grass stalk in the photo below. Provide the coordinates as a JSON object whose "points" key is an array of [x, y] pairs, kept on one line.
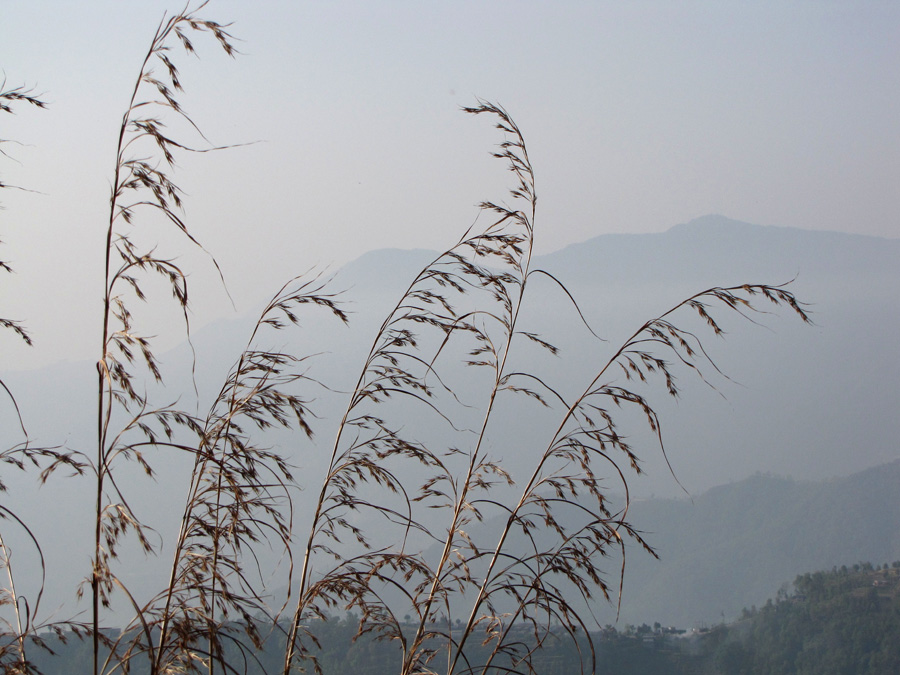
{"points": [[407, 415]]}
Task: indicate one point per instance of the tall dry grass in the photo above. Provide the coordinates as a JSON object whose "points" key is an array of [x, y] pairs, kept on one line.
{"points": [[548, 561], [239, 495], [454, 597]]}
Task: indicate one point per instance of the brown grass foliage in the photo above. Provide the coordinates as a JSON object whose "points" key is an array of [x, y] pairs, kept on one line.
{"points": [[461, 589]]}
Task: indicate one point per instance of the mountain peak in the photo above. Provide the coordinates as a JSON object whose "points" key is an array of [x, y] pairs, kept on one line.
{"points": [[713, 222]]}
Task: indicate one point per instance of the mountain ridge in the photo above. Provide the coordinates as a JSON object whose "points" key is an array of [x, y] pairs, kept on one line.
{"points": [[807, 402], [738, 542]]}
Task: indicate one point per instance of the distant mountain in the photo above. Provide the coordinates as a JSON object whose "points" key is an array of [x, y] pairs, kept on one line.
{"points": [[715, 250], [736, 544], [733, 546], [807, 402]]}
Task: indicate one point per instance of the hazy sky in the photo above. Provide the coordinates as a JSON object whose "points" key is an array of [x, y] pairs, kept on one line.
{"points": [[637, 116]]}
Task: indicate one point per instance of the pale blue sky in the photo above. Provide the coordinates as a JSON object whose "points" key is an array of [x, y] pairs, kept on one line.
{"points": [[638, 116]]}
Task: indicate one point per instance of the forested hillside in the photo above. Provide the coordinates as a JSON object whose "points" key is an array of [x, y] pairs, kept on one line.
{"points": [[843, 622], [734, 545]]}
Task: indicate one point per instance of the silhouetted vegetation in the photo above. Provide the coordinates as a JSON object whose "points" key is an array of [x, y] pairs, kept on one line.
{"points": [[426, 598]]}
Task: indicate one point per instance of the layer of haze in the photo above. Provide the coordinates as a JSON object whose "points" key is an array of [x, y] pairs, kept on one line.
{"points": [[637, 116]]}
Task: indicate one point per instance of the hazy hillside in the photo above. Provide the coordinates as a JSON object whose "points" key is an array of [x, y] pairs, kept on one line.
{"points": [[735, 544], [809, 402], [806, 402]]}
